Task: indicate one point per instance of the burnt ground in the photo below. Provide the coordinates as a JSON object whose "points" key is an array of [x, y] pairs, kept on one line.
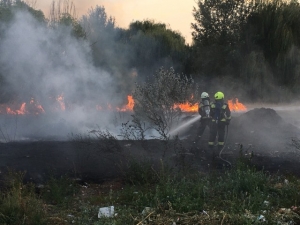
{"points": [[263, 132]]}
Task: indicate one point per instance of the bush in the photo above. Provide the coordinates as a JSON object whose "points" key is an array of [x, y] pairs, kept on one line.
{"points": [[155, 101], [19, 203], [59, 190]]}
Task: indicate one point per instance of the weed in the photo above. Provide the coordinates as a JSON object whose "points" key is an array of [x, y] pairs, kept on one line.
{"points": [[19, 203], [141, 173], [240, 195], [59, 190]]}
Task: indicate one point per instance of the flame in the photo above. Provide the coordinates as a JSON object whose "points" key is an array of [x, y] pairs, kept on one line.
{"points": [[33, 107], [187, 107], [129, 106], [235, 105], [36, 107], [60, 100], [20, 111]]}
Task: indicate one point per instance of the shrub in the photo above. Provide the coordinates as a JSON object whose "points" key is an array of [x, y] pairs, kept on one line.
{"points": [[155, 100]]}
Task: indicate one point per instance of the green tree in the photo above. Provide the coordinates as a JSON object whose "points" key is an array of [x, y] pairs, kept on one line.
{"points": [[274, 29], [67, 20], [63, 15], [217, 35], [37, 14], [110, 50], [156, 45], [219, 22], [101, 33], [9, 7], [5, 11]]}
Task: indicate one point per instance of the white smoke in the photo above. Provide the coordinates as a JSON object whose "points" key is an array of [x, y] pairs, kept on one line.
{"points": [[41, 63]]}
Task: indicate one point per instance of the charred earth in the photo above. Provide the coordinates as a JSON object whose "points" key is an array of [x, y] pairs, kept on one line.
{"points": [[260, 136]]}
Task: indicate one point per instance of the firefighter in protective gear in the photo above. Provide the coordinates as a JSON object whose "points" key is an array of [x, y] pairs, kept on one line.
{"points": [[220, 117], [204, 111]]}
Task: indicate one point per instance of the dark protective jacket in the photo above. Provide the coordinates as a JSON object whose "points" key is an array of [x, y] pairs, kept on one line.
{"points": [[204, 109], [220, 112]]}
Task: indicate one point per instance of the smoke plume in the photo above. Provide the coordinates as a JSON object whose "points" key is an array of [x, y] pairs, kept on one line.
{"points": [[56, 70]]}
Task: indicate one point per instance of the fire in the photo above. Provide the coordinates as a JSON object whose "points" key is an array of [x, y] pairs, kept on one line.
{"points": [[36, 107], [60, 100], [129, 106], [33, 107], [20, 111], [187, 107], [235, 105]]}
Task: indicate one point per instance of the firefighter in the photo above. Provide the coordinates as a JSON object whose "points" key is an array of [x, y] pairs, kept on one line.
{"points": [[220, 117], [204, 111]]}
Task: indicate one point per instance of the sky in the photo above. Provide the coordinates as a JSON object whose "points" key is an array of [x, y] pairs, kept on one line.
{"points": [[175, 13]]}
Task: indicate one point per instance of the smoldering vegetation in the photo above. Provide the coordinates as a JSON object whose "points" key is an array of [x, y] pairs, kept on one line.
{"points": [[81, 70], [69, 78]]}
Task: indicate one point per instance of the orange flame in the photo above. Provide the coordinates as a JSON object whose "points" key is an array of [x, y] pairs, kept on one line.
{"points": [[235, 105], [20, 111], [187, 107], [34, 107], [129, 106], [61, 102]]}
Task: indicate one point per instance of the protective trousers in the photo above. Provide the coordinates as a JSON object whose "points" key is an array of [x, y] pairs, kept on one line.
{"points": [[203, 124], [217, 129]]}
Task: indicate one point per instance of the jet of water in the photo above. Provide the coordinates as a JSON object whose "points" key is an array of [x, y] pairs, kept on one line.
{"points": [[184, 125]]}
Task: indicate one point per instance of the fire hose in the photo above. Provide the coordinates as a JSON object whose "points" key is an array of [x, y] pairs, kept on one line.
{"points": [[220, 154]]}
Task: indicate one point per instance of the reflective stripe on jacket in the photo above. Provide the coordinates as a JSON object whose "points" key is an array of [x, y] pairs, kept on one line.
{"points": [[225, 114]]}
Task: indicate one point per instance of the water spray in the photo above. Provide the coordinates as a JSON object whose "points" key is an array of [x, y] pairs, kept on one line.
{"points": [[184, 125]]}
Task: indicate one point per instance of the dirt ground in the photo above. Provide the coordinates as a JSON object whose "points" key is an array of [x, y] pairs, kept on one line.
{"points": [[262, 132]]}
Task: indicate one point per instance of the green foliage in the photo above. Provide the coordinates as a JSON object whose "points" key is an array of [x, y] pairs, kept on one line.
{"points": [[97, 23], [37, 14], [254, 42], [68, 21], [273, 27], [170, 41], [19, 203], [219, 22], [141, 173], [9, 8], [236, 196], [63, 17], [5, 14], [241, 193], [156, 43], [217, 35], [100, 31], [59, 190]]}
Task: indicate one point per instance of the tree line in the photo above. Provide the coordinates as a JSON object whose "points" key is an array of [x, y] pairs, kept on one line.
{"points": [[245, 47]]}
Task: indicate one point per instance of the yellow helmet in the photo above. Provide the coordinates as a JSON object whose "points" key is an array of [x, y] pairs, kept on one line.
{"points": [[219, 95]]}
